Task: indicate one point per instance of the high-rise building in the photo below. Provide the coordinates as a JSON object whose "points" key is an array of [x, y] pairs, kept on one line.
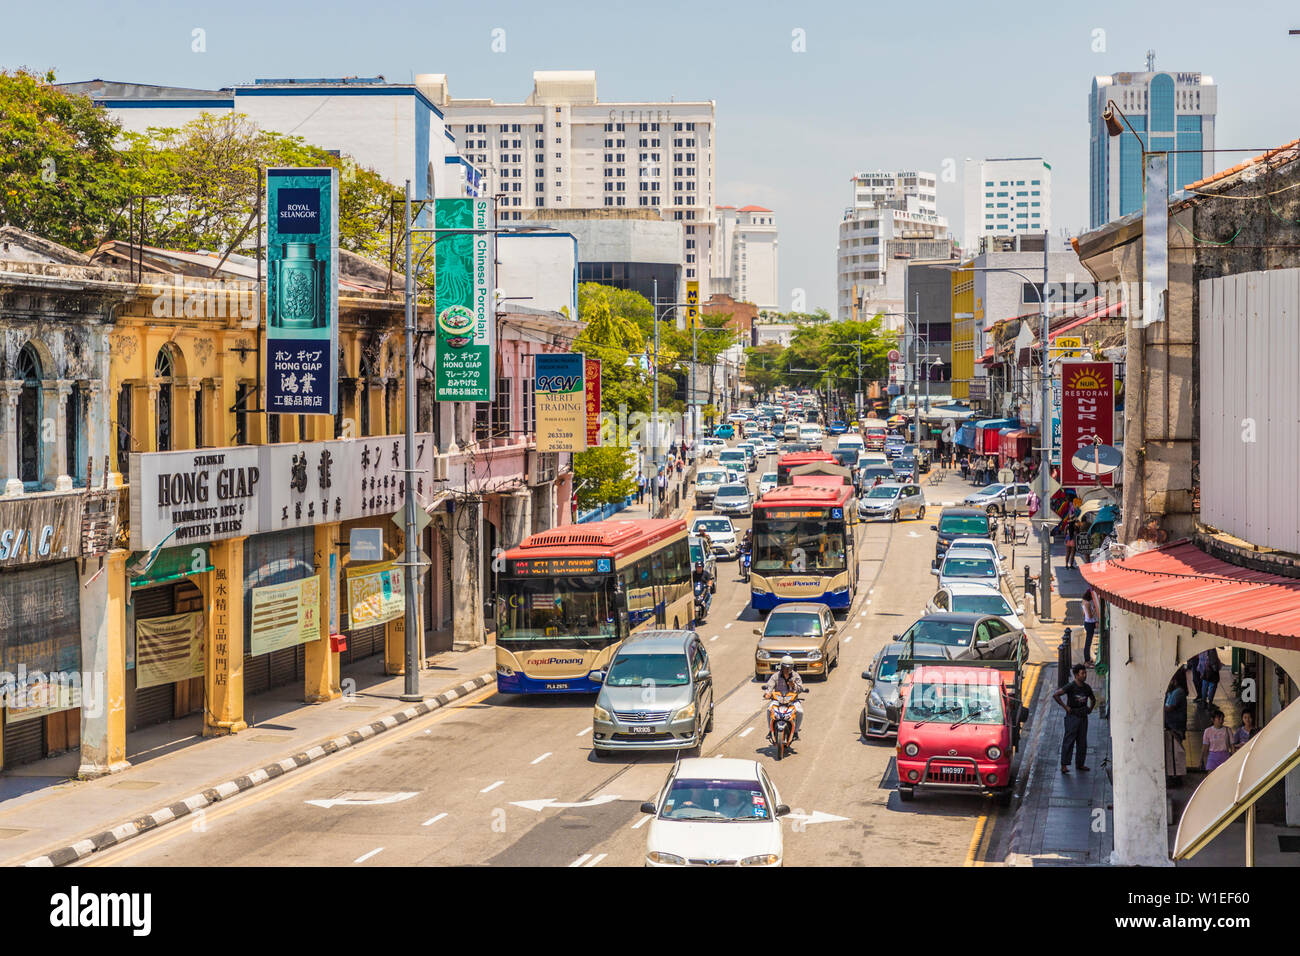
{"points": [[744, 256], [1168, 111], [1005, 197], [563, 148]]}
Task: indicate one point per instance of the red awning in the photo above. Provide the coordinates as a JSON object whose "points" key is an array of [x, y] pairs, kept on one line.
{"points": [[1181, 584]]}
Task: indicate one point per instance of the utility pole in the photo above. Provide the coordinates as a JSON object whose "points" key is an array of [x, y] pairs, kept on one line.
{"points": [[1045, 545], [411, 683], [654, 429]]}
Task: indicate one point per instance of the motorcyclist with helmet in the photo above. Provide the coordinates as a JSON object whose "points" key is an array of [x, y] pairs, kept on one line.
{"points": [[784, 680]]}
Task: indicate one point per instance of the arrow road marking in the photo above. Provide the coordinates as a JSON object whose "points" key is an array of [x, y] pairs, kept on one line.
{"points": [[816, 817], [540, 805], [361, 801]]}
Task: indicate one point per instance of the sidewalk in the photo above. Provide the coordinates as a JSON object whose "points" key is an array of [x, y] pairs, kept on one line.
{"points": [[41, 809]]}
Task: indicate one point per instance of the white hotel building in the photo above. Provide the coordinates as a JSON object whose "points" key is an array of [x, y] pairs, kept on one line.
{"points": [[745, 256], [562, 148], [1006, 197]]}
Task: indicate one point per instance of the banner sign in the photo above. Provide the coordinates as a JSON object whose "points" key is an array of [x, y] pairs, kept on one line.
{"points": [[169, 564], [591, 374], [168, 649], [1087, 413], [692, 304], [40, 611], [38, 698], [561, 402], [375, 595], [1055, 457], [189, 497], [302, 298], [464, 369], [285, 615], [40, 529]]}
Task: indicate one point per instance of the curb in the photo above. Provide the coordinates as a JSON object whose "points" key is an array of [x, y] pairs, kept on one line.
{"points": [[1015, 857], [141, 825]]}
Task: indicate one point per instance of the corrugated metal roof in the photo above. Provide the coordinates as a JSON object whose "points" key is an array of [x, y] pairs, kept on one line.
{"points": [[1181, 584]]}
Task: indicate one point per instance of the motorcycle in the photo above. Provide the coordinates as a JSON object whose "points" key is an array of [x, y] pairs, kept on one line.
{"points": [[744, 565], [703, 601], [781, 717]]}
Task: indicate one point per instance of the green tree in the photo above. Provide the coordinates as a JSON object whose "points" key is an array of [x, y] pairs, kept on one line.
{"points": [[600, 475], [60, 175]]}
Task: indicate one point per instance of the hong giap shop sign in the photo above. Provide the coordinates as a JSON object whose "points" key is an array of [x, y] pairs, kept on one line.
{"points": [[211, 494], [464, 370]]}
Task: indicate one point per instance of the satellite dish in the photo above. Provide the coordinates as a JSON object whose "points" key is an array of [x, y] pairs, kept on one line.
{"points": [[1097, 460]]}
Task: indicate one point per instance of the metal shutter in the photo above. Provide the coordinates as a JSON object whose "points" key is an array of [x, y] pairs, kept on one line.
{"points": [[287, 665], [257, 675], [444, 541], [24, 741], [274, 558], [366, 642], [153, 705]]}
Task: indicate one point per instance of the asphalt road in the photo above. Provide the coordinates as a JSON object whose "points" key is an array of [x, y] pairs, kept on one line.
{"points": [[462, 786]]}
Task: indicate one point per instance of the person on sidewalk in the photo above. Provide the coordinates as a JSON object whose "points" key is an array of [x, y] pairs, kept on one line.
{"points": [[965, 468], [1079, 701], [1210, 665], [1071, 536], [1247, 728], [1176, 728], [1216, 743], [1091, 612]]}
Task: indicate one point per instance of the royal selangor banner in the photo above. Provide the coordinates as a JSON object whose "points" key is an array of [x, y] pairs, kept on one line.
{"points": [[591, 374], [285, 615], [375, 595], [465, 278], [302, 301], [1087, 416], [168, 649], [561, 402]]}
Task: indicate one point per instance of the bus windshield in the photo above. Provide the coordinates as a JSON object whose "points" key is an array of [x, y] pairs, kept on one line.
{"points": [[814, 545], [559, 611]]}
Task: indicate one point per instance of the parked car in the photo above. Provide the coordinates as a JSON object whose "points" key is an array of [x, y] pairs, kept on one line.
{"points": [[766, 482], [959, 523], [880, 712], [677, 666], [733, 499], [952, 636], [707, 483], [700, 553], [999, 498], [967, 567], [722, 534], [807, 632], [975, 599], [715, 811], [894, 500]]}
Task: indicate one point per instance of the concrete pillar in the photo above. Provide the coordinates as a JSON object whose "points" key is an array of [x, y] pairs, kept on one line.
{"points": [[103, 664], [1142, 658], [183, 392], [145, 424], [99, 445], [466, 568], [62, 471], [223, 651], [9, 394], [321, 679], [516, 518]]}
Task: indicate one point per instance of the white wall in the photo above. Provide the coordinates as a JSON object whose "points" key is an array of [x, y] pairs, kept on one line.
{"points": [[542, 266]]}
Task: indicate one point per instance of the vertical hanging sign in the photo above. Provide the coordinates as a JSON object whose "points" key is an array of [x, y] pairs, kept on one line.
{"points": [[1087, 416], [466, 312], [592, 375], [561, 402], [302, 303]]}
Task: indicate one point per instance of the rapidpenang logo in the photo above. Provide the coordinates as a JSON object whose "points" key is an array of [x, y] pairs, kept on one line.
{"points": [[76, 909]]}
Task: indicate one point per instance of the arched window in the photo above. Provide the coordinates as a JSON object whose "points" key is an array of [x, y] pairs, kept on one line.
{"points": [[29, 416], [163, 372]]}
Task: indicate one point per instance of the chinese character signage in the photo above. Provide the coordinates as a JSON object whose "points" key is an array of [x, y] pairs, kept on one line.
{"points": [[561, 402], [285, 615], [464, 370], [1087, 415], [592, 376], [692, 304], [302, 305]]}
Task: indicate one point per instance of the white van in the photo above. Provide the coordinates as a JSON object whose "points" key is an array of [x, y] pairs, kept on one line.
{"points": [[851, 440], [810, 433]]}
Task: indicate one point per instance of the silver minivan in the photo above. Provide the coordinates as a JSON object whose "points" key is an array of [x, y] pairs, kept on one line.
{"points": [[656, 695]]}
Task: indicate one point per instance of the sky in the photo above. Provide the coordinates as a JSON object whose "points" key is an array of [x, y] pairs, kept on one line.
{"points": [[807, 93]]}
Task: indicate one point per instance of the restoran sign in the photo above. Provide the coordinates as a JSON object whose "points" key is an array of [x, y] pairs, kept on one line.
{"points": [[1087, 415]]}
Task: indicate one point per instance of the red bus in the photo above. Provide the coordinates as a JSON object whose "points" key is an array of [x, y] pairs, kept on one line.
{"points": [[804, 547], [809, 463]]}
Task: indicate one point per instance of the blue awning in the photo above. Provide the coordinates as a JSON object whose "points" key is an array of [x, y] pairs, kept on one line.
{"points": [[966, 435]]}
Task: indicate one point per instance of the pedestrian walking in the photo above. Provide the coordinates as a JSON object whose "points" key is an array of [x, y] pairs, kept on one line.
{"points": [[1079, 701], [1193, 666], [1176, 728], [640, 488], [965, 468], [663, 487], [1091, 611], [1210, 665], [1071, 539], [1216, 743]]}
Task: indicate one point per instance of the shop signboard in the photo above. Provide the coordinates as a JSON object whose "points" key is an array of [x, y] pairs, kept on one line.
{"points": [[302, 299], [40, 612], [285, 615], [37, 529], [1087, 416], [375, 595], [591, 374], [561, 402], [464, 340], [191, 496]]}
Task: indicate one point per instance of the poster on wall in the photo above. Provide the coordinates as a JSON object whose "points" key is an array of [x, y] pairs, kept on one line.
{"points": [[591, 374], [40, 623], [302, 304], [168, 649], [285, 615], [465, 338], [1087, 416], [375, 595], [561, 402]]}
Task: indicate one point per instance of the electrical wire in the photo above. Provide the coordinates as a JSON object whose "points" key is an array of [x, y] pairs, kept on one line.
{"points": [[1209, 242]]}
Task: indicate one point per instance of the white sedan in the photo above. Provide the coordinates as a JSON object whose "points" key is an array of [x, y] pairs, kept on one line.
{"points": [[975, 599], [766, 482], [722, 534], [715, 811], [986, 546]]}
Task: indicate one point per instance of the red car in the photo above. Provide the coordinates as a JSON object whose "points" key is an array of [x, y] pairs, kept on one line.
{"points": [[959, 726]]}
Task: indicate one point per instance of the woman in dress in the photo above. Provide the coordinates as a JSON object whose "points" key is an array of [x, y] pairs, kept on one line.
{"points": [[1216, 743]]}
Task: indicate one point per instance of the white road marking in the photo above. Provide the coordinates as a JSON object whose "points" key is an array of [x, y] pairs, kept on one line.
{"points": [[540, 805], [871, 590], [816, 816], [857, 623], [432, 820], [645, 818], [713, 638], [864, 613], [541, 758], [583, 732], [597, 858], [728, 625], [580, 860], [850, 637], [491, 786], [747, 731], [361, 801], [366, 856]]}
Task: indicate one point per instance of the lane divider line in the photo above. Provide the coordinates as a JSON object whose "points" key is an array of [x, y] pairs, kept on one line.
{"points": [[580, 860], [541, 758], [491, 786], [583, 732], [597, 858], [432, 820], [132, 829], [366, 856], [645, 818]]}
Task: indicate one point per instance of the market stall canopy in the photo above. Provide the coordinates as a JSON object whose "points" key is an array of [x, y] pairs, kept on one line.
{"points": [[942, 413], [1234, 786]]}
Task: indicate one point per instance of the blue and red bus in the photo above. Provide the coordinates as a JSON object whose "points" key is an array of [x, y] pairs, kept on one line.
{"points": [[804, 547]]}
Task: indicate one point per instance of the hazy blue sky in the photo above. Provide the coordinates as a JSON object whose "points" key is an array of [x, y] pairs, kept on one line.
{"points": [[892, 86]]}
